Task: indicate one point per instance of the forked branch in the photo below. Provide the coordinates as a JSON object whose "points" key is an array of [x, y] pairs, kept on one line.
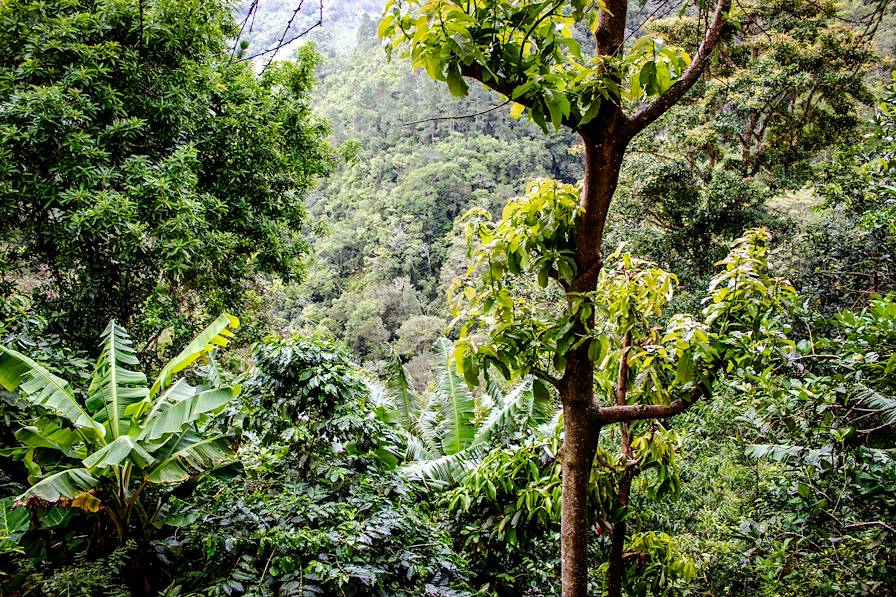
{"points": [[660, 105]]}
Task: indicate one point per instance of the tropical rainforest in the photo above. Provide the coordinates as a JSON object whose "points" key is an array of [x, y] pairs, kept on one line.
{"points": [[447, 297]]}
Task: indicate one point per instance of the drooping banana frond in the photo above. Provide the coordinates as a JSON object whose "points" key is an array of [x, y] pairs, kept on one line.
{"points": [[217, 334], [553, 426], [40, 387], [415, 448], [114, 388], [67, 484], [189, 453], [523, 407], [447, 470], [457, 404], [402, 393], [494, 388], [47, 434], [883, 406], [428, 426]]}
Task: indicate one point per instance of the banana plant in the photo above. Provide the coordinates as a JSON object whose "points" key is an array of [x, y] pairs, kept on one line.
{"points": [[100, 453], [449, 431]]}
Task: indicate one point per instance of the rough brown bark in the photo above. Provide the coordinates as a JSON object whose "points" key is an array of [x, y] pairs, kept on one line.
{"points": [[603, 159], [617, 547], [579, 445]]}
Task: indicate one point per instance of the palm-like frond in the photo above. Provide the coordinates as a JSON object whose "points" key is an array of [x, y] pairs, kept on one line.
{"points": [[40, 387], [447, 470], [884, 406], [114, 388], [494, 388], [402, 393], [415, 448], [217, 334], [456, 402], [523, 407]]}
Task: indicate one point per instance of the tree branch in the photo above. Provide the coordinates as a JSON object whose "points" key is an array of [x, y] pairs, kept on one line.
{"points": [[637, 412], [660, 105], [459, 116], [502, 86]]}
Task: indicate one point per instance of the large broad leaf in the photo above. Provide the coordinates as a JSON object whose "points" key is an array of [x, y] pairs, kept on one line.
{"points": [[215, 335], [402, 394], [47, 433], [457, 404], [38, 386], [415, 448], [173, 417], [884, 406], [14, 522], [189, 455], [67, 484], [124, 449], [494, 388], [113, 388]]}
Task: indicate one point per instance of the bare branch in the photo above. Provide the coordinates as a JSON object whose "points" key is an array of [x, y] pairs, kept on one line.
{"points": [[250, 14], [660, 105], [547, 377], [458, 117], [283, 42], [872, 523]]}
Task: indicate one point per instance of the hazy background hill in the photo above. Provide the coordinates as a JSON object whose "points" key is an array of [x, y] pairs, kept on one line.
{"points": [[337, 35]]}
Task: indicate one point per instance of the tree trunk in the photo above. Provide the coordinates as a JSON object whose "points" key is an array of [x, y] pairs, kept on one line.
{"points": [[579, 445], [617, 547], [604, 148]]}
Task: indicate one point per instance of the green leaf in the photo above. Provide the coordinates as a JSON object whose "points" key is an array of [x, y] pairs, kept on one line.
{"points": [[447, 470], [45, 433], [456, 83], [40, 387], [113, 388], [177, 415], [558, 106], [67, 484], [401, 394], [457, 404], [528, 404], [116, 453], [189, 454], [218, 334], [14, 522]]}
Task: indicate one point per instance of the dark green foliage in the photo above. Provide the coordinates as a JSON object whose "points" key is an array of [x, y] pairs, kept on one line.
{"points": [[320, 510], [507, 518], [296, 382], [684, 222], [789, 478], [139, 170], [850, 257]]}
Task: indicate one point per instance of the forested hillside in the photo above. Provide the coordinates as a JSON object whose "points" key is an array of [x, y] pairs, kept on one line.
{"points": [[429, 297]]}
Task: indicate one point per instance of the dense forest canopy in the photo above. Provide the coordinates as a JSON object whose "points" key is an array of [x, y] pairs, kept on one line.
{"points": [[447, 297]]}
